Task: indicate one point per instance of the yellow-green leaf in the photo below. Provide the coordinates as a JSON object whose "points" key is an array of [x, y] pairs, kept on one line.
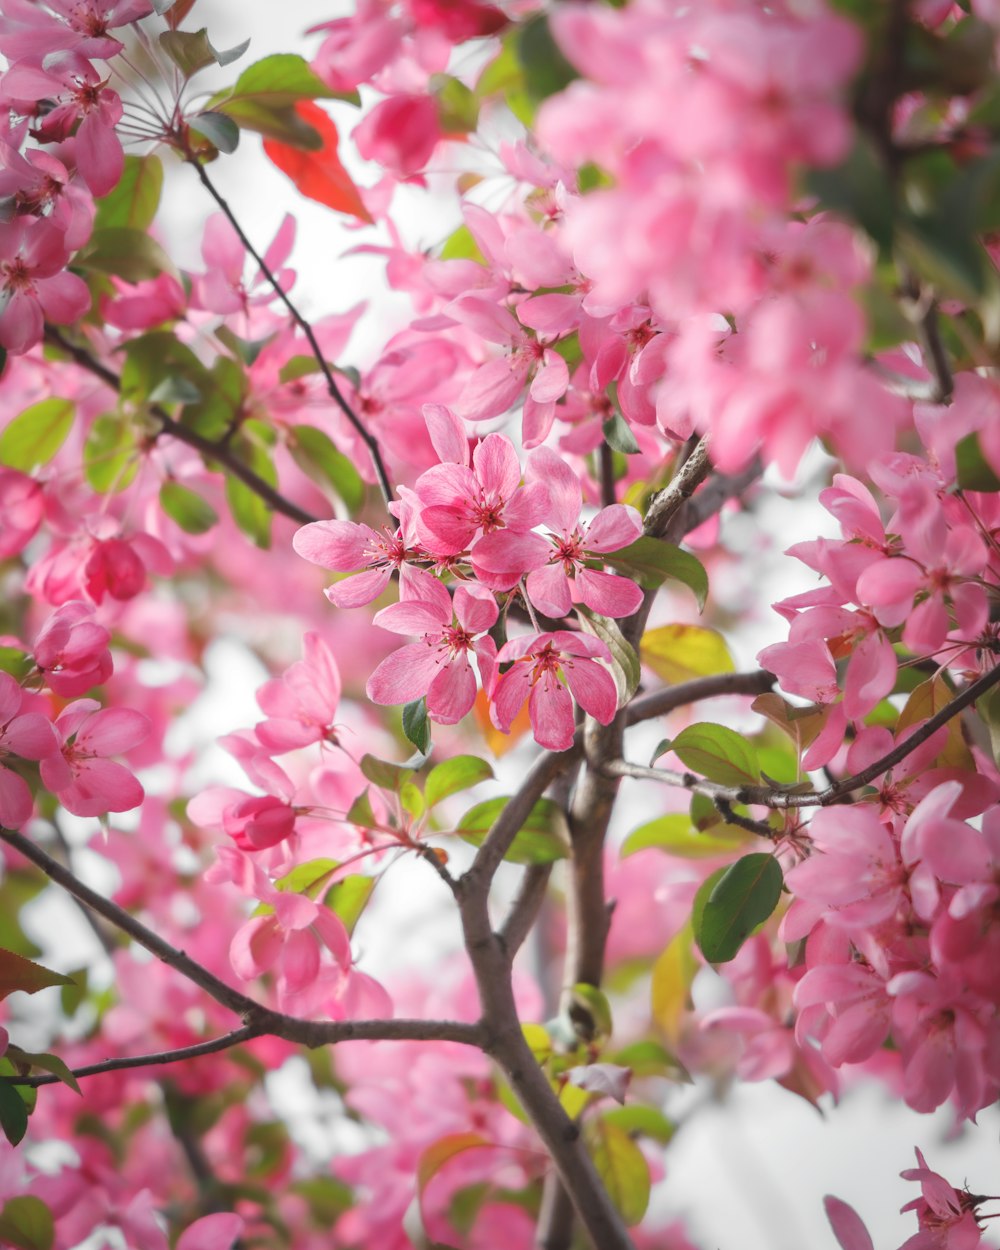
{"points": [[680, 652], [622, 1167], [673, 973]]}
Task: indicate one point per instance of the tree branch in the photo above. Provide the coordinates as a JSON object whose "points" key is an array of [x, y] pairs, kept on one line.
{"points": [[524, 909], [212, 451], [334, 390], [665, 506], [765, 796], [670, 698]]}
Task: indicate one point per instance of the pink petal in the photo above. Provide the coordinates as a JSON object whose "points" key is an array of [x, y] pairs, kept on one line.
{"points": [[847, 1225], [452, 692], [212, 1232], [100, 786], [506, 552], [593, 688], [256, 947], [412, 616], [447, 433], [509, 695], [497, 466], [15, 799], [362, 588], [475, 608], [112, 731], [548, 589], [403, 676], [31, 736], [492, 389], [614, 527], [551, 710], [563, 485], [608, 594]]}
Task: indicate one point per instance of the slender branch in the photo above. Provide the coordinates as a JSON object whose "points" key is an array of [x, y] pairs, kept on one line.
{"points": [[607, 467], [524, 909], [212, 451], [665, 506], [718, 491], [177, 1055], [336, 394], [764, 796], [311, 1033], [670, 698]]}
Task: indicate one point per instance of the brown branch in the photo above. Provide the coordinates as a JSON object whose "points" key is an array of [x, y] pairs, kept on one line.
{"points": [[665, 505], [334, 390], [718, 491], [174, 429], [670, 698], [783, 800], [524, 909]]}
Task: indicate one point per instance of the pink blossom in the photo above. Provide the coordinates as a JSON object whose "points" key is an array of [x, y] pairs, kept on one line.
{"points": [[947, 1216], [71, 650], [221, 289], [301, 704], [22, 507], [349, 547], [34, 285], [558, 574], [400, 133], [539, 664], [27, 736], [212, 1232], [33, 29], [437, 666], [85, 781]]}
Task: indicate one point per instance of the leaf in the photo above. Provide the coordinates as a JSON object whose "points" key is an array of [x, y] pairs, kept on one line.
{"points": [[191, 50], [925, 701], [133, 201], [718, 753], [318, 172], [46, 1063], [546, 71], [621, 1165], [127, 252], [416, 725], [676, 835], [13, 1113], [309, 878], [250, 512], [187, 509], [461, 245], [606, 1080], [801, 724], [590, 1013], [619, 437], [314, 452], [541, 839], [625, 668], [640, 1121], [673, 974], [385, 775], [678, 653], [859, 190], [26, 1224], [349, 897], [451, 776], [360, 812], [650, 561], [18, 973], [988, 708], [972, 470], [218, 129], [36, 434], [727, 910], [945, 251], [458, 108], [438, 1153]]}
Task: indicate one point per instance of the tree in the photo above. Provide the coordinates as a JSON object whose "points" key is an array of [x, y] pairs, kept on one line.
{"points": [[729, 232]]}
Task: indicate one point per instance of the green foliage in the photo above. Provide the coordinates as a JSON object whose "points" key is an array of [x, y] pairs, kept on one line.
{"points": [[315, 454], [732, 902], [541, 839], [650, 561], [133, 202], [36, 434], [417, 726], [264, 96], [26, 1224], [718, 753], [187, 508], [461, 772], [620, 1164]]}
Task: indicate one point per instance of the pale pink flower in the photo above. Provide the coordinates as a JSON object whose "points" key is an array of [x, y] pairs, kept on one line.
{"points": [[301, 704], [437, 666], [84, 780], [33, 29], [26, 736], [221, 288], [22, 507], [539, 664]]}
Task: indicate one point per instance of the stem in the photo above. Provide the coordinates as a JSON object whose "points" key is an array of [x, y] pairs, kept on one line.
{"points": [[670, 698], [334, 390], [210, 450]]}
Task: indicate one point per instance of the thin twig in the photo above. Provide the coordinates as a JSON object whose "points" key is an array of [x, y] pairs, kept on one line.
{"points": [[670, 698], [211, 451], [524, 909], [678, 491], [334, 390]]}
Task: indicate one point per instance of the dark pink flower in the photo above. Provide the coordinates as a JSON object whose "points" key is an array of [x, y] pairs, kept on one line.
{"points": [[27, 736], [72, 650], [85, 781], [34, 284]]}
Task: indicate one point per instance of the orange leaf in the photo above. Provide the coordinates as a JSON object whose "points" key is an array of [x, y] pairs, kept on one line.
{"points": [[499, 743], [318, 175]]}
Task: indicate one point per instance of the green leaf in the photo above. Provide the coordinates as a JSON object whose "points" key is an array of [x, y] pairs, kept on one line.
{"points": [[731, 904], [189, 50], [310, 878], [546, 71], [590, 1012], [18, 973], [639, 1121], [385, 775], [621, 1165], [670, 988], [412, 800], [625, 667], [542, 838], [16, 662], [458, 108], [126, 252], [973, 470], [264, 96], [988, 708], [925, 701], [945, 251], [504, 76], [416, 726], [192, 513], [676, 835], [221, 131], [250, 512], [46, 1063], [859, 190], [315, 454], [619, 437], [461, 245], [349, 897], [13, 1113], [459, 773], [26, 1224], [718, 753], [360, 812], [678, 653], [133, 201], [36, 434], [650, 561]]}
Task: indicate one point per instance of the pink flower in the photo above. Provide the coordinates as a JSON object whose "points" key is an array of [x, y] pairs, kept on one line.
{"points": [[22, 506], [540, 663], [301, 704], [34, 285], [558, 574], [26, 736], [349, 547], [400, 134], [33, 29], [72, 650], [437, 666], [947, 1216], [85, 781], [221, 289]]}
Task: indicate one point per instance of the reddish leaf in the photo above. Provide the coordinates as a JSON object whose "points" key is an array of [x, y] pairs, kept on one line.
{"points": [[178, 12], [318, 175], [18, 973]]}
